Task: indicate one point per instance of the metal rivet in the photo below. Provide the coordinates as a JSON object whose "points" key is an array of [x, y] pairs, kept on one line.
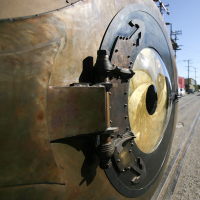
{"points": [[118, 160], [118, 134], [112, 136], [126, 117], [133, 44], [116, 50], [129, 67], [126, 38], [120, 37], [127, 128], [130, 150], [131, 63], [110, 107], [110, 93], [132, 144], [128, 56], [125, 105], [129, 168], [123, 170], [125, 92], [110, 121], [67, 1]]}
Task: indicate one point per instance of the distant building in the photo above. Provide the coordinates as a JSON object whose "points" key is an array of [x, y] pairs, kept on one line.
{"points": [[181, 82], [192, 83]]}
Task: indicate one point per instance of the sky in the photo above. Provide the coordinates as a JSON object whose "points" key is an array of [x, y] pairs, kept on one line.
{"points": [[185, 17]]}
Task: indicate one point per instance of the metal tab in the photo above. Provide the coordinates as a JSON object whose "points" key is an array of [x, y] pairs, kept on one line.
{"points": [[75, 111]]}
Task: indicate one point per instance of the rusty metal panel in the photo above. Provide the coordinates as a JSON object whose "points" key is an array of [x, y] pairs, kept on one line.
{"points": [[80, 29], [26, 155], [24, 8], [75, 110]]}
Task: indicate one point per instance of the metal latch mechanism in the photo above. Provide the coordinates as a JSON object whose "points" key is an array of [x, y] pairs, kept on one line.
{"points": [[84, 108], [175, 97], [124, 158]]}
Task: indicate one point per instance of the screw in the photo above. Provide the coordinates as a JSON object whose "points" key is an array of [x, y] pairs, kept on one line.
{"points": [[130, 150]]}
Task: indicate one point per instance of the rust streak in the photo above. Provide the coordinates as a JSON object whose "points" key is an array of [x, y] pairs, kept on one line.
{"points": [[40, 115]]}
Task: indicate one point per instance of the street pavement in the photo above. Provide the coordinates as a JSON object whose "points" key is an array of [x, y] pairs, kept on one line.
{"points": [[188, 186]]}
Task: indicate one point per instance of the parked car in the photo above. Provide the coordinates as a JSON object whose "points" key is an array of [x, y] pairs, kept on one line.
{"points": [[179, 91], [182, 92], [190, 91]]}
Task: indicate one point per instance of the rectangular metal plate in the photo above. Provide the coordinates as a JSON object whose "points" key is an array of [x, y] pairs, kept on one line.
{"points": [[75, 111]]}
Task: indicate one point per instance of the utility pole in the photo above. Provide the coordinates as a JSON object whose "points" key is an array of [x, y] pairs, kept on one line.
{"points": [[195, 78], [162, 6], [188, 70], [175, 39]]}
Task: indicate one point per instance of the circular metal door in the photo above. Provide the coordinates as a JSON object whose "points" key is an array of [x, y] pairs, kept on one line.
{"points": [[136, 39]]}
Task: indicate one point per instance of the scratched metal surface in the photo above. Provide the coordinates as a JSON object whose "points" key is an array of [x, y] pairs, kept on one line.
{"points": [[75, 111], [50, 50]]}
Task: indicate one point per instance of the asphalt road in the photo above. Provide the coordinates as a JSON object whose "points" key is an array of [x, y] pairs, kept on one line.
{"points": [[188, 185]]}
